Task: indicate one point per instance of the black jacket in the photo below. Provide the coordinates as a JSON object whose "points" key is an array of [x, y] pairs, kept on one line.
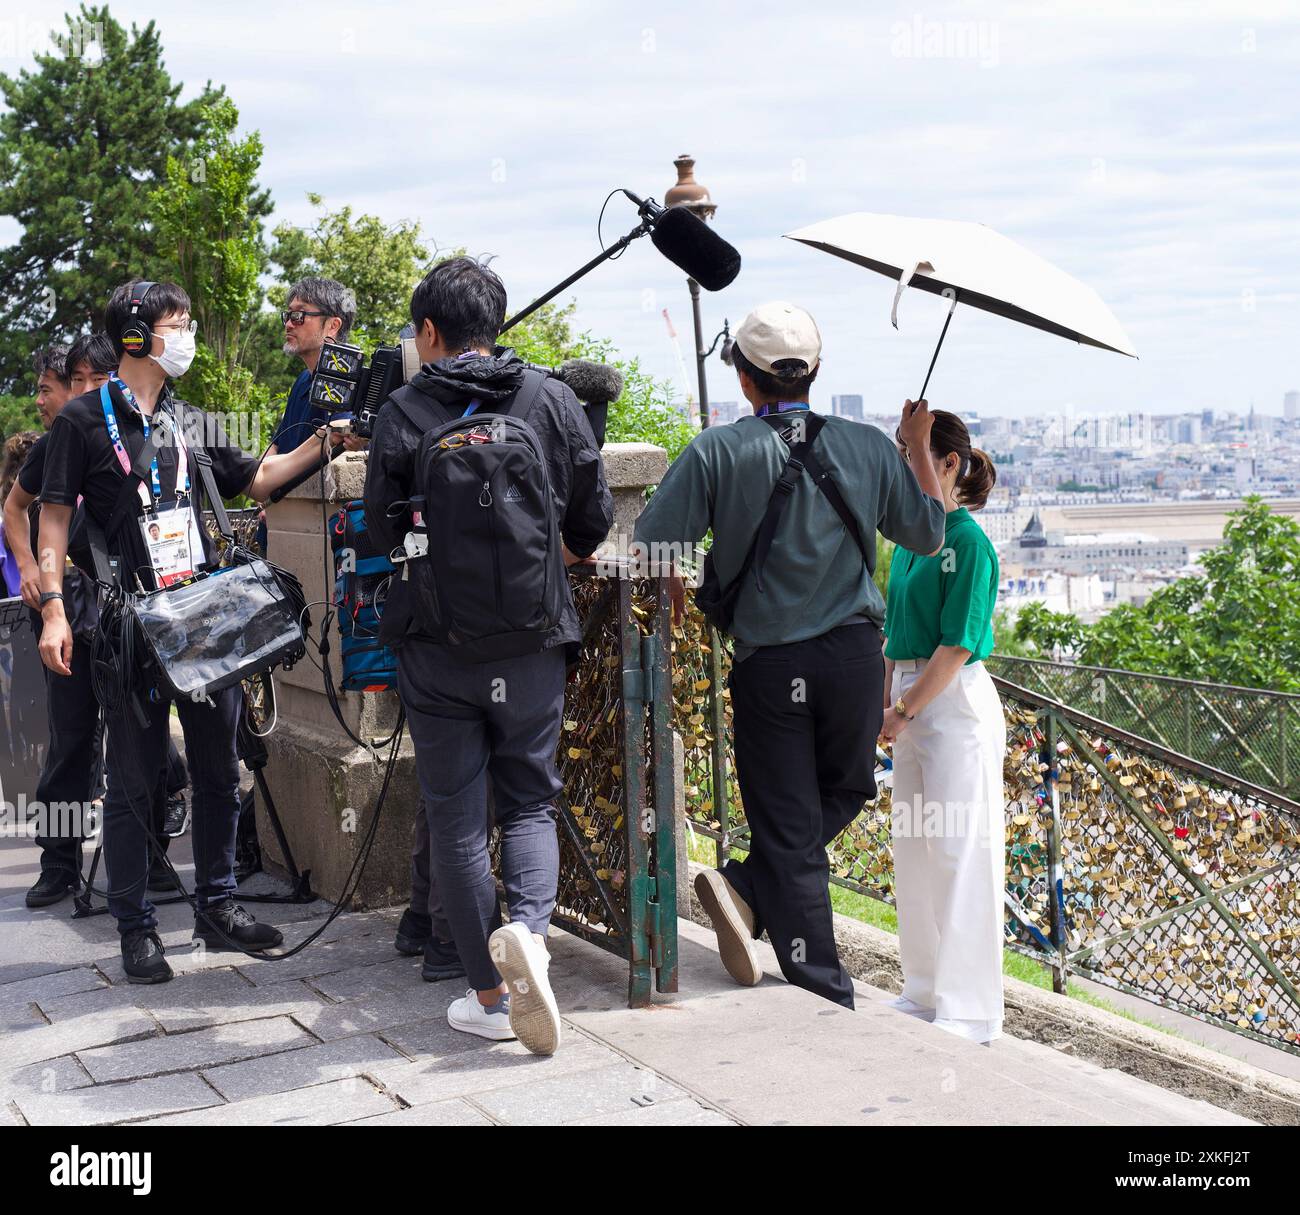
{"points": [[577, 475]]}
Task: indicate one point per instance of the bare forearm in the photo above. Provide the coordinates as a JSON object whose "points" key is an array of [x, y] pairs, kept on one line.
{"points": [[944, 664], [53, 544], [15, 516], [276, 470]]}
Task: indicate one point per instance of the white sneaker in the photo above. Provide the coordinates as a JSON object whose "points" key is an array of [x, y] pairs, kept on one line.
{"points": [[912, 1008], [470, 1017], [523, 963]]}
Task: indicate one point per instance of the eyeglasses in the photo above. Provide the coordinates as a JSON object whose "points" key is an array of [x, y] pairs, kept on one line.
{"points": [[186, 326], [298, 315]]}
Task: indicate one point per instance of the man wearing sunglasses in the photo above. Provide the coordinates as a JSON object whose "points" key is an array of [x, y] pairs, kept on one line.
{"points": [[318, 310]]}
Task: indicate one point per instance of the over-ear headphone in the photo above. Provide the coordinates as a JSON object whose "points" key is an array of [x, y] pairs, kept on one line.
{"points": [[137, 339]]}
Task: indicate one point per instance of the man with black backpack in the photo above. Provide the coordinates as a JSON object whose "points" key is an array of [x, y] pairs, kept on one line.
{"points": [[794, 500], [485, 477]]}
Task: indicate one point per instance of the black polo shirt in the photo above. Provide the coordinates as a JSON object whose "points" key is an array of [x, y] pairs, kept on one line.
{"points": [[80, 460]]}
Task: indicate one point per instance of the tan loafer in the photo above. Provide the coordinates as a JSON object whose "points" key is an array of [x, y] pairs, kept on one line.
{"points": [[733, 922]]}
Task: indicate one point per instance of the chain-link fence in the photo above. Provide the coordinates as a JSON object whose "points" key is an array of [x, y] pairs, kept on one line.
{"points": [[1250, 732], [1126, 862]]}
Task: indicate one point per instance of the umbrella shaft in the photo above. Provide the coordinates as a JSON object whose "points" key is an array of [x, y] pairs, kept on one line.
{"points": [[935, 357]]}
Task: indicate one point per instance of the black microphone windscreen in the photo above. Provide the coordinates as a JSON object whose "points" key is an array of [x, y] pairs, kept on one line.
{"points": [[592, 383], [690, 244]]}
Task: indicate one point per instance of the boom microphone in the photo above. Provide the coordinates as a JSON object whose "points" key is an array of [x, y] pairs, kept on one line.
{"points": [[592, 383], [690, 244], [596, 385]]}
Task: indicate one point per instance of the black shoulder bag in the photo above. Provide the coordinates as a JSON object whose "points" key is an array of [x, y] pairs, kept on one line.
{"points": [[718, 603]]}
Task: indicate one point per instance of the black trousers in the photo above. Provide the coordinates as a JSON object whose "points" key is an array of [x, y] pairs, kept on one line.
{"points": [[806, 719], [137, 773], [74, 758]]}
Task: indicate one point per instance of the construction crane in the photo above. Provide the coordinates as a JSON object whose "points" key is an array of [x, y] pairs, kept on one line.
{"points": [[692, 412]]}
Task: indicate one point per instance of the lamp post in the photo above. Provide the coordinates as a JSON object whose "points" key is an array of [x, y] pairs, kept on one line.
{"points": [[690, 194]]}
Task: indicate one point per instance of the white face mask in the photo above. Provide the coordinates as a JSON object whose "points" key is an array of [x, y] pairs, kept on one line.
{"points": [[178, 352]]}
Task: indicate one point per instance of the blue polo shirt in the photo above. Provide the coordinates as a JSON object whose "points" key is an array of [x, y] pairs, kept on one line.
{"points": [[301, 418]]}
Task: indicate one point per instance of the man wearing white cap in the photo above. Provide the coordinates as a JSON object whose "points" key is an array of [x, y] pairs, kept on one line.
{"points": [[794, 500]]}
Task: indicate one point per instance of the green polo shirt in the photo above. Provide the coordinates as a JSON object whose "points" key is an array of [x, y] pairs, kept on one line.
{"points": [[815, 578], [947, 599]]}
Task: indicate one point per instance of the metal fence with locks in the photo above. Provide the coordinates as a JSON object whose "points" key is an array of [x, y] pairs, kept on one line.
{"points": [[1251, 732], [618, 844], [1126, 862]]}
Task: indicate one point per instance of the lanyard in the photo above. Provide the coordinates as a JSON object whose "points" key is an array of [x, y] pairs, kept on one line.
{"points": [[781, 407], [124, 458]]}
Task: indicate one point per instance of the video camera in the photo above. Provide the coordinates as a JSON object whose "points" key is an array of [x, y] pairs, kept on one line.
{"points": [[344, 384]]}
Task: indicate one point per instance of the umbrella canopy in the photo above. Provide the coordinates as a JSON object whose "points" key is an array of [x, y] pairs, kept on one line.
{"points": [[973, 265]]}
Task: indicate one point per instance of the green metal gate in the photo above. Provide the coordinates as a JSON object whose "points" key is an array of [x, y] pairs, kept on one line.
{"points": [[618, 852]]}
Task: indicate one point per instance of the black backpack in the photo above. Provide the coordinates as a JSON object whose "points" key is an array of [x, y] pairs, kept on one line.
{"points": [[492, 583], [716, 602]]}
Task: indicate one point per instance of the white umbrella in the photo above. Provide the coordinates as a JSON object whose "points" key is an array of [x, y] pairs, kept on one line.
{"points": [[974, 265]]}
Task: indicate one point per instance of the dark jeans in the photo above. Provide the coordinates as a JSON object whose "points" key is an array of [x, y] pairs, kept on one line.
{"points": [[136, 774], [806, 720], [74, 758], [468, 722]]}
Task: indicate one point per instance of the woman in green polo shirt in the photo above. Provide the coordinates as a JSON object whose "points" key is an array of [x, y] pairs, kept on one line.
{"points": [[944, 719]]}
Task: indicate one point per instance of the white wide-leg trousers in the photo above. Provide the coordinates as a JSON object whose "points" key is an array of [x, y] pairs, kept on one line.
{"points": [[949, 851]]}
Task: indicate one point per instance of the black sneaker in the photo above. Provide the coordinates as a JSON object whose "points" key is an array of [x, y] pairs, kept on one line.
{"points": [[176, 817], [142, 957], [441, 961], [413, 932], [160, 877], [53, 886], [229, 926]]}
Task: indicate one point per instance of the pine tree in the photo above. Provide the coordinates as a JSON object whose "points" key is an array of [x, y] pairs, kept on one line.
{"points": [[85, 136]]}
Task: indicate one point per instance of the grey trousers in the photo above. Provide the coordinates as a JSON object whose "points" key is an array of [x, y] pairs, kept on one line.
{"points": [[471, 722], [425, 896]]}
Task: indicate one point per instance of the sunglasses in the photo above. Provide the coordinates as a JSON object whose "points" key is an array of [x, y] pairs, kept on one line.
{"points": [[298, 315]]}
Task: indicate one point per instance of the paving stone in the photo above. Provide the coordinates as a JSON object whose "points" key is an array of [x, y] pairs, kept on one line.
{"points": [[298, 1068], [437, 1113], [97, 1028], [493, 1065], [105, 1103], [681, 1112], [321, 1105], [48, 1076], [49, 986], [432, 1038], [360, 945], [616, 1089], [396, 975], [195, 1001], [379, 1012], [189, 1051]]}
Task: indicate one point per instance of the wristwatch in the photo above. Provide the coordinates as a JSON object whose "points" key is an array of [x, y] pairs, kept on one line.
{"points": [[47, 596], [901, 709]]}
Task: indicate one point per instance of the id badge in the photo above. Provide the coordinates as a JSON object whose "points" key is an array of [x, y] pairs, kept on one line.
{"points": [[172, 539]]}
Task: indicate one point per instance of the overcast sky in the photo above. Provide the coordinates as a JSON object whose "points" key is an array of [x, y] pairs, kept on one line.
{"points": [[1149, 151]]}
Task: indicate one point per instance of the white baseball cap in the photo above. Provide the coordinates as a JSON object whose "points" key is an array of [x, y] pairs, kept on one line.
{"points": [[780, 333]]}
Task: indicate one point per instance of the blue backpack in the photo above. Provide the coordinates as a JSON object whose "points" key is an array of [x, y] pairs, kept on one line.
{"points": [[361, 581]]}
